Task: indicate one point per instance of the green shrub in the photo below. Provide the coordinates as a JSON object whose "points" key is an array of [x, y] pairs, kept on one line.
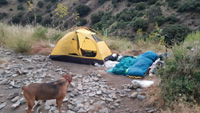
{"points": [[38, 18], [40, 33], [102, 1], [20, 0], [3, 2], [16, 19], [10, 9], [180, 77], [139, 23], [115, 1], [150, 2], [48, 6], [96, 17], [126, 15], [82, 22], [160, 20], [47, 22], [136, 1], [175, 34], [189, 6], [55, 36], [153, 12], [3, 15], [20, 7], [54, 1], [172, 19], [141, 6], [22, 45], [83, 10], [173, 3], [40, 4]]}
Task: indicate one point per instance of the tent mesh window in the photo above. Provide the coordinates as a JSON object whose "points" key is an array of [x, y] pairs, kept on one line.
{"points": [[96, 38]]}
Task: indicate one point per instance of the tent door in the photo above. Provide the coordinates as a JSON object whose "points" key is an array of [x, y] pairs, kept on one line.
{"points": [[88, 48]]}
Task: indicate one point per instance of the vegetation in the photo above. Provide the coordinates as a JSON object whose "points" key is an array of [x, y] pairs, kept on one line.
{"points": [[181, 74], [3, 2], [174, 34], [83, 10]]}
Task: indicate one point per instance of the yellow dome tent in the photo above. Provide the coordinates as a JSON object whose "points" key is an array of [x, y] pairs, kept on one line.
{"points": [[81, 45]]}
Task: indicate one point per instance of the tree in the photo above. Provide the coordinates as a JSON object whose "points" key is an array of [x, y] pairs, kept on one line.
{"points": [[32, 7], [61, 12]]}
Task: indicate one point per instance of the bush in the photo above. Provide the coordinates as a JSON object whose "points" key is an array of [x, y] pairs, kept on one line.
{"points": [[10, 9], [54, 1], [174, 34], [150, 2], [82, 22], [102, 1], [38, 18], [136, 1], [83, 10], [141, 6], [48, 6], [16, 19], [139, 23], [40, 33], [22, 45], [20, 0], [40, 4], [55, 36], [189, 6], [47, 22], [126, 15], [180, 78], [20, 7], [3, 2], [172, 19], [3, 15], [173, 3], [160, 20], [96, 17], [153, 12]]}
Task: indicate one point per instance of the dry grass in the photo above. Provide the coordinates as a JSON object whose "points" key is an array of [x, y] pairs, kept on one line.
{"points": [[136, 47], [22, 38]]}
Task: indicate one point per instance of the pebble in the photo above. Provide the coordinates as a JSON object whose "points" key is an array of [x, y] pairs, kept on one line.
{"points": [[12, 95], [16, 105], [141, 97], [134, 95], [2, 105], [15, 99]]}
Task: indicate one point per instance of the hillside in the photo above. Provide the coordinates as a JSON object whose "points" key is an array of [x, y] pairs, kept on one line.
{"points": [[117, 17]]}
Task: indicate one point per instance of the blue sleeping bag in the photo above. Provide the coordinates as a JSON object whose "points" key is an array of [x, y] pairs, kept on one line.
{"points": [[142, 63]]}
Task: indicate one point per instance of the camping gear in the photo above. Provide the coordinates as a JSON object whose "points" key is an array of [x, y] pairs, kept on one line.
{"points": [[142, 63], [143, 83], [81, 45], [125, 63]]}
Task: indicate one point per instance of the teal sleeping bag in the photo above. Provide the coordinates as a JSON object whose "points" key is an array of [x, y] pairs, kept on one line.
{"points": [[142, 63], [125, 63]]}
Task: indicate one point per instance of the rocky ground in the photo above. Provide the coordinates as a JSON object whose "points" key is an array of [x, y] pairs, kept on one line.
{"points": [[91, 91]]}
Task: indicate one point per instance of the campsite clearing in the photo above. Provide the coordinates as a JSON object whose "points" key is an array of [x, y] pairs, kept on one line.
{"points": [[92, 88]]}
